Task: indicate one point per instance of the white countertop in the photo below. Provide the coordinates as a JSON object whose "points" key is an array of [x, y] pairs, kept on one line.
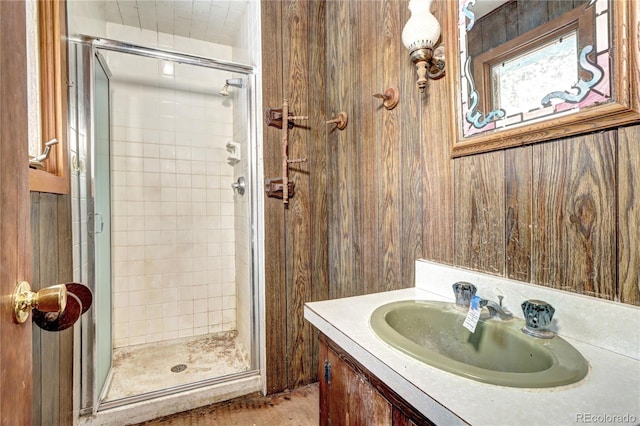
{"points": [[611, 389]]}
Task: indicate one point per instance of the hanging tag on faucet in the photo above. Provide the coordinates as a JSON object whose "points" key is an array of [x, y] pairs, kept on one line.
{"points": [[473, 315]]}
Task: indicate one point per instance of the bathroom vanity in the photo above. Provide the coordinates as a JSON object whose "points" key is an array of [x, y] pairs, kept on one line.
{"points": [[365, 380], [348, 390]]}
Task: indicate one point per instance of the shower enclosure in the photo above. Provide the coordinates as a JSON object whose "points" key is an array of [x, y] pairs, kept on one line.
{"points": [[163, 172]]}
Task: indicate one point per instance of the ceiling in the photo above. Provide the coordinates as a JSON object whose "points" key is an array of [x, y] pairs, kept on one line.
{"points": [[215, 21]]}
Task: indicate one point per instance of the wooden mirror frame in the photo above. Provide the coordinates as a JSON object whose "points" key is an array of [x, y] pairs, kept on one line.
{"points": [[624, 107]]}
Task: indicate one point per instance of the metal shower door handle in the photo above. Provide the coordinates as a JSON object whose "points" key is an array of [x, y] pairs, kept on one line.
{"points": [[99, 215], [239, 186], [98, 227]]}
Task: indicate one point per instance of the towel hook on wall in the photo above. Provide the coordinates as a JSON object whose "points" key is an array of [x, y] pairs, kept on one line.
{"points": [[340, 120], [390, 97]]}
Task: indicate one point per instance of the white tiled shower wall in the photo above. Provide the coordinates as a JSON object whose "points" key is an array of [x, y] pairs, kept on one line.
{"points": [[172, 203]]}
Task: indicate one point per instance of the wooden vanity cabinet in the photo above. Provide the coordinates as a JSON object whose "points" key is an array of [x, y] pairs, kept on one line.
{"points": [[351, 395]]}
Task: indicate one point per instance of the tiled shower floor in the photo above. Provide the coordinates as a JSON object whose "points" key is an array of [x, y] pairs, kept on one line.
{"points": [[147, 368]]}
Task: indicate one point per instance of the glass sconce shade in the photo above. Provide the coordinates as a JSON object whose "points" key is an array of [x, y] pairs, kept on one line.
{"points": [[422, 30], [419, 36]]}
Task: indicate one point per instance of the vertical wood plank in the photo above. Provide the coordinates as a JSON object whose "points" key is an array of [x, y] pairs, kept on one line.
{"points": [[511, 22], [318, 168], [366, 84], [339, 62], [479, 212], [494, 30], [334, 147], [558, 8], [518, 213], [389, 194], [629, 215], [275, 300], [298, 285], [574, 222], [412, 191], [438, 176], [531, 14], [354, 138]]}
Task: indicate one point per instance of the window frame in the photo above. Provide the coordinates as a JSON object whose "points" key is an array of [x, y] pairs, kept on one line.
{"points": [[52, 49]]}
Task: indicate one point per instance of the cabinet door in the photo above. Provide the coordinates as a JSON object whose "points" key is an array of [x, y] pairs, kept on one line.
{"points": [[346, 397]]}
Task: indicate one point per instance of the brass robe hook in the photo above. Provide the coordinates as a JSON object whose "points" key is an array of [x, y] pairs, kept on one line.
{"points": [[341, 120], [390, 97]]}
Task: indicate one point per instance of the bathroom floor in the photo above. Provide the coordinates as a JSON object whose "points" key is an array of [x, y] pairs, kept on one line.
{"points": [[299, 407], [154, 366]]}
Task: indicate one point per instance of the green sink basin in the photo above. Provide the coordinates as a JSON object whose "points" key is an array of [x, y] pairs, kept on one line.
{"points": [[498, 352]]}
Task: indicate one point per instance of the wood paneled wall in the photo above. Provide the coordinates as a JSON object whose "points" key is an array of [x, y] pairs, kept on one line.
{"points": [[384, 192], [295, 235], [52, 352]]}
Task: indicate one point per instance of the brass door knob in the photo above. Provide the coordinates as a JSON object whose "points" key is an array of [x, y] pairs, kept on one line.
{"points": [[49, 299]]}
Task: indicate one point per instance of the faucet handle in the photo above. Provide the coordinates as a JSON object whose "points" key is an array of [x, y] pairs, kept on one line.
{"points": [[537, 317], [464, 291]]}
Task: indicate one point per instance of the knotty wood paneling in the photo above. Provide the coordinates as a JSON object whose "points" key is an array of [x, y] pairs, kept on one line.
{"points": [[411, 153], [479, 212], [411, 161], [298, 235], [390, 161], [342, 203], [517, 179], [317, 176], [366, 82], [574, 215], [437, 178], [628, 289], [385, 191], [295, 235], [275, 290]]}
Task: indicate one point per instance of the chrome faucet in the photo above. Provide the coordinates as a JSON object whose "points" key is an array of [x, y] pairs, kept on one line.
{"points": [[496, 310], [464, 292]]}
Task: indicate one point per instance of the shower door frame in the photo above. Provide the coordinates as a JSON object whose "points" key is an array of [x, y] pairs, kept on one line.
{"points": [[90, 403]]}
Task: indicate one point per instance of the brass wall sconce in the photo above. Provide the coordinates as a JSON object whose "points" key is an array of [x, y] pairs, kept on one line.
{"points": [[419, 36], [390, 97]]}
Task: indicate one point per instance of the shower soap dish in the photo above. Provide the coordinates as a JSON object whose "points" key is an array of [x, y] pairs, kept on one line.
{"points": [[234, 152]]}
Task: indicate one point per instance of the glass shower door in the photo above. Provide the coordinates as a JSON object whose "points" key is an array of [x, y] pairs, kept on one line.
{"points": [[91, 178], [101, 194], [169, 243]]}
